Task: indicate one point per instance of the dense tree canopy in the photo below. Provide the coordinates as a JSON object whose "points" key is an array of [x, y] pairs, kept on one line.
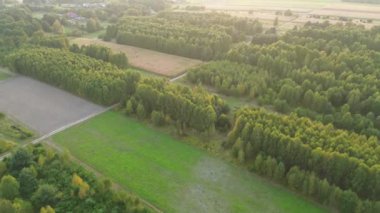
{"points": [[327, 72], [98, 81], [171, 37], [102, 53], [236, 27], [346, 160], [194, 109], [16, 25], [48, 182]]}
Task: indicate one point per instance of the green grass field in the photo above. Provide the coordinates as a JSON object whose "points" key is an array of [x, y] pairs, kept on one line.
{"points": [[171, 174], [12, 133]]}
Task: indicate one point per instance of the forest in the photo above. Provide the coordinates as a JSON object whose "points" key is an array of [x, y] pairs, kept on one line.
{"points": [[333, 166], [322, 81], [326, 72], [16, 26], [36, 179], [104, 83]]}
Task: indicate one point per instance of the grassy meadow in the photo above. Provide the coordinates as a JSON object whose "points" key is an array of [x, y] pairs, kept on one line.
{"points": [[173, 175]]}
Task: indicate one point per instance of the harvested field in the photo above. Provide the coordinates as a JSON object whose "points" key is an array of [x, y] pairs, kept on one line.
{"points": [[350, 10], [149, 60], [42, 107], [303, 11]]}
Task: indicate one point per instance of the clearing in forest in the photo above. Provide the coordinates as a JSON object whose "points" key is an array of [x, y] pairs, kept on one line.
{"points": [[149, 60], [173, 175]]}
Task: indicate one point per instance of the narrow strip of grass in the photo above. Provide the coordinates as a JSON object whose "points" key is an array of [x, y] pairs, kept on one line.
{"points": [[173, 175], [3, 74]]}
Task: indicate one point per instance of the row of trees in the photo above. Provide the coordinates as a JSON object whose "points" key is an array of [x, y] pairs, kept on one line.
{"points": [[102, 53], [105, 84], [238, 28], [38, 180], [310, 185], [186, 108], [171, 37], [347, 160], [334, 81], [98, 81]]}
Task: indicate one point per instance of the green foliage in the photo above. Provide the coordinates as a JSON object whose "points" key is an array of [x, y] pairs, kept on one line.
{"points": [[141, 113], [50, 183], [237, 27], [343, 158], [9, 187], [102, 53], [10, 130], [195, 109], [93, 25], [326, 72], [16, 24], [89, 78], [6, 206], [171, 36], [158, 118], [46, 194], [20, 159], [28, 182]]}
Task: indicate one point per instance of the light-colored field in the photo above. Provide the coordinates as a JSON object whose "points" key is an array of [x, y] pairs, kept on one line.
{"points": [[149, 60], [303, 11], [350, 10], [171, 174], [42, 107], [296, 5]]}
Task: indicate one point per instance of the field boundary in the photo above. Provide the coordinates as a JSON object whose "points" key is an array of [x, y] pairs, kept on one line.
{"points": [[115, 185], [45, 138]]}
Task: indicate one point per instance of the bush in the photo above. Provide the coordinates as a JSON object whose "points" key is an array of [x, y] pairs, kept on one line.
{"points": [[158, 118]]}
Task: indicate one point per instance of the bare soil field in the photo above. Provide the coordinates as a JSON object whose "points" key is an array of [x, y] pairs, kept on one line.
{"points": [[149, 60], [42, 107]]}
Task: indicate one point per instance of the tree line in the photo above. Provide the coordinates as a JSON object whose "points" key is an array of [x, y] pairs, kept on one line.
{"points": [[36, 179], [186, 108], [238, 28], [104, 83], [172, 37], [86, 77], [102, 53], [342, 159], [333, 81]]}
